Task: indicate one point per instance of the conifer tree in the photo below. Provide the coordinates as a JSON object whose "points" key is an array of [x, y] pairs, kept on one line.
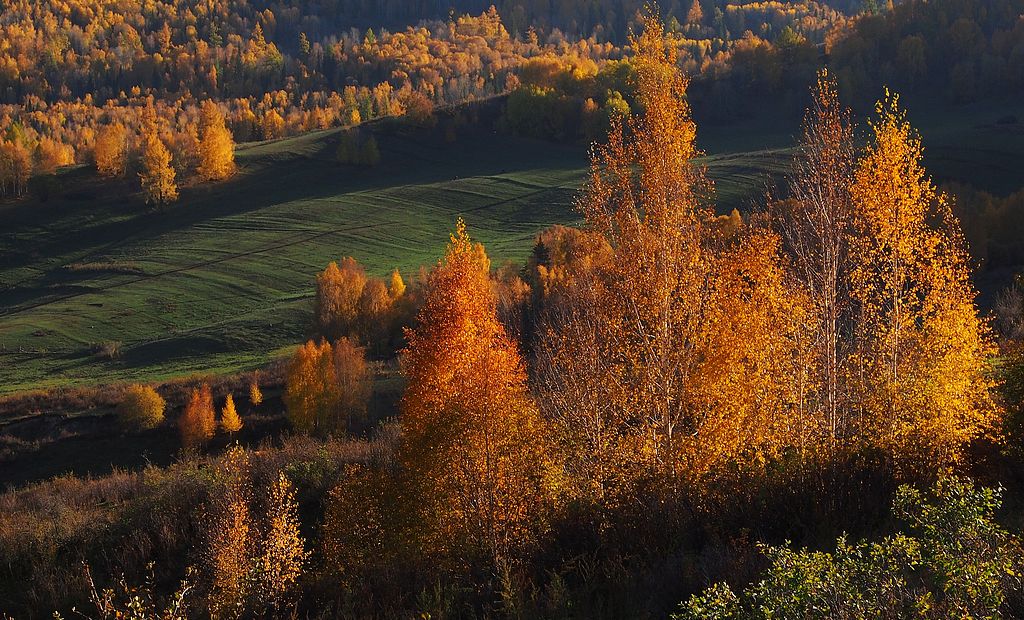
{"points": [[255, 394], [229, 420], [157, 174], [216, 147]]}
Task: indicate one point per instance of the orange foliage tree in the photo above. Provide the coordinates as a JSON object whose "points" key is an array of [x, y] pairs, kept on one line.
{"points": [[475, 447], [198, 424], [680, 378]]}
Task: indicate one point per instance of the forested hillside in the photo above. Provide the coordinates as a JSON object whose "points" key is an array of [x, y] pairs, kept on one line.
{"points": [[712, 310]]}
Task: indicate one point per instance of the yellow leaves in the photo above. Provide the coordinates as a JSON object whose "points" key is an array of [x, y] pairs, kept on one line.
{"points": [[141, 407], [254, 559], [229, 420], [157, 175], [216, 147], [111, 150], [922, 345], [338, 291], [255, 394], [326, 387]]}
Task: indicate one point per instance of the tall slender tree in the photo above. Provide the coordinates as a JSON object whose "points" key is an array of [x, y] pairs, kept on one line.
{"points": [[922, 347], [817, 227]]}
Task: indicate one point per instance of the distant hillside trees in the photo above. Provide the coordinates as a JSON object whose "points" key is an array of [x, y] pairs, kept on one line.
{"points": [[111, 150], [216, 146], [327, 386], [157, 174]]}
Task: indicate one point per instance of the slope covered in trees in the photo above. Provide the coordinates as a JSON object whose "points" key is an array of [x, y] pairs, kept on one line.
{"points": [[693, 388]]}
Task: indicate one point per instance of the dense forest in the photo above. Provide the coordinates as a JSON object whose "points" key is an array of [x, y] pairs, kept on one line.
{"points": [[797, 411], [67, 71]]}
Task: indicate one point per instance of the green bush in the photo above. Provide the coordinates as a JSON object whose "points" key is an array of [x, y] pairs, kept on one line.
{"points": [[956, 562]]}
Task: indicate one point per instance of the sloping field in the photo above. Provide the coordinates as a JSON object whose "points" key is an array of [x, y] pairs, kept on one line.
{"points": [[223, 279]]}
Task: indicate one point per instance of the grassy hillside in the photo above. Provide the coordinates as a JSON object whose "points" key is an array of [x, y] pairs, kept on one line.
{"points": [[222, 280]]}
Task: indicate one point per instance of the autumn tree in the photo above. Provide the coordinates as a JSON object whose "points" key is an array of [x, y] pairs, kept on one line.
{"points": [[198, 423], [338, 291], [157, 174], [817, 227], [921, 347], [231, 538], [678, 380], [254, 558], [229, 420], [282, 550], [216, 147], [141, 407], [396, 285], [255, 394], [326, 386], [15, 168], [111, 150], [475, 446], [271, 125]]}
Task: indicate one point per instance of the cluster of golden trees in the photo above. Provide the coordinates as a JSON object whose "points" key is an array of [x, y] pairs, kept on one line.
{"points": [[211, 150], [327, 386], [199, 422], [348, 303], [255, 553], [673, 345], [64, 80]]}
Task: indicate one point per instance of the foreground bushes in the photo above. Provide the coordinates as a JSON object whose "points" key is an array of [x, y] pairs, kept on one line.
{"points": [[955, 562]]}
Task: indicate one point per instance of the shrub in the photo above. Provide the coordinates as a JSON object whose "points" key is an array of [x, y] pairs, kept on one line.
{"points": [[141, 408], [956, 562]]}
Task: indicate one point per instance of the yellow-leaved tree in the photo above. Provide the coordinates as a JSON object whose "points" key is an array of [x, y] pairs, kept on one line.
{"points": [[141, 408], [283, 551], [216, 146], [475, 447], [255, 393], [229, 420], [111, 150], [326, 386], [921, 346], [254, 558], [684, 340], [231, 538], [157, 175], [338, 291]]}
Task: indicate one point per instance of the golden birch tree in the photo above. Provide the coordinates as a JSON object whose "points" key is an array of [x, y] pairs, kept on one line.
{"points": [[475, 446], [922, 347]]}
